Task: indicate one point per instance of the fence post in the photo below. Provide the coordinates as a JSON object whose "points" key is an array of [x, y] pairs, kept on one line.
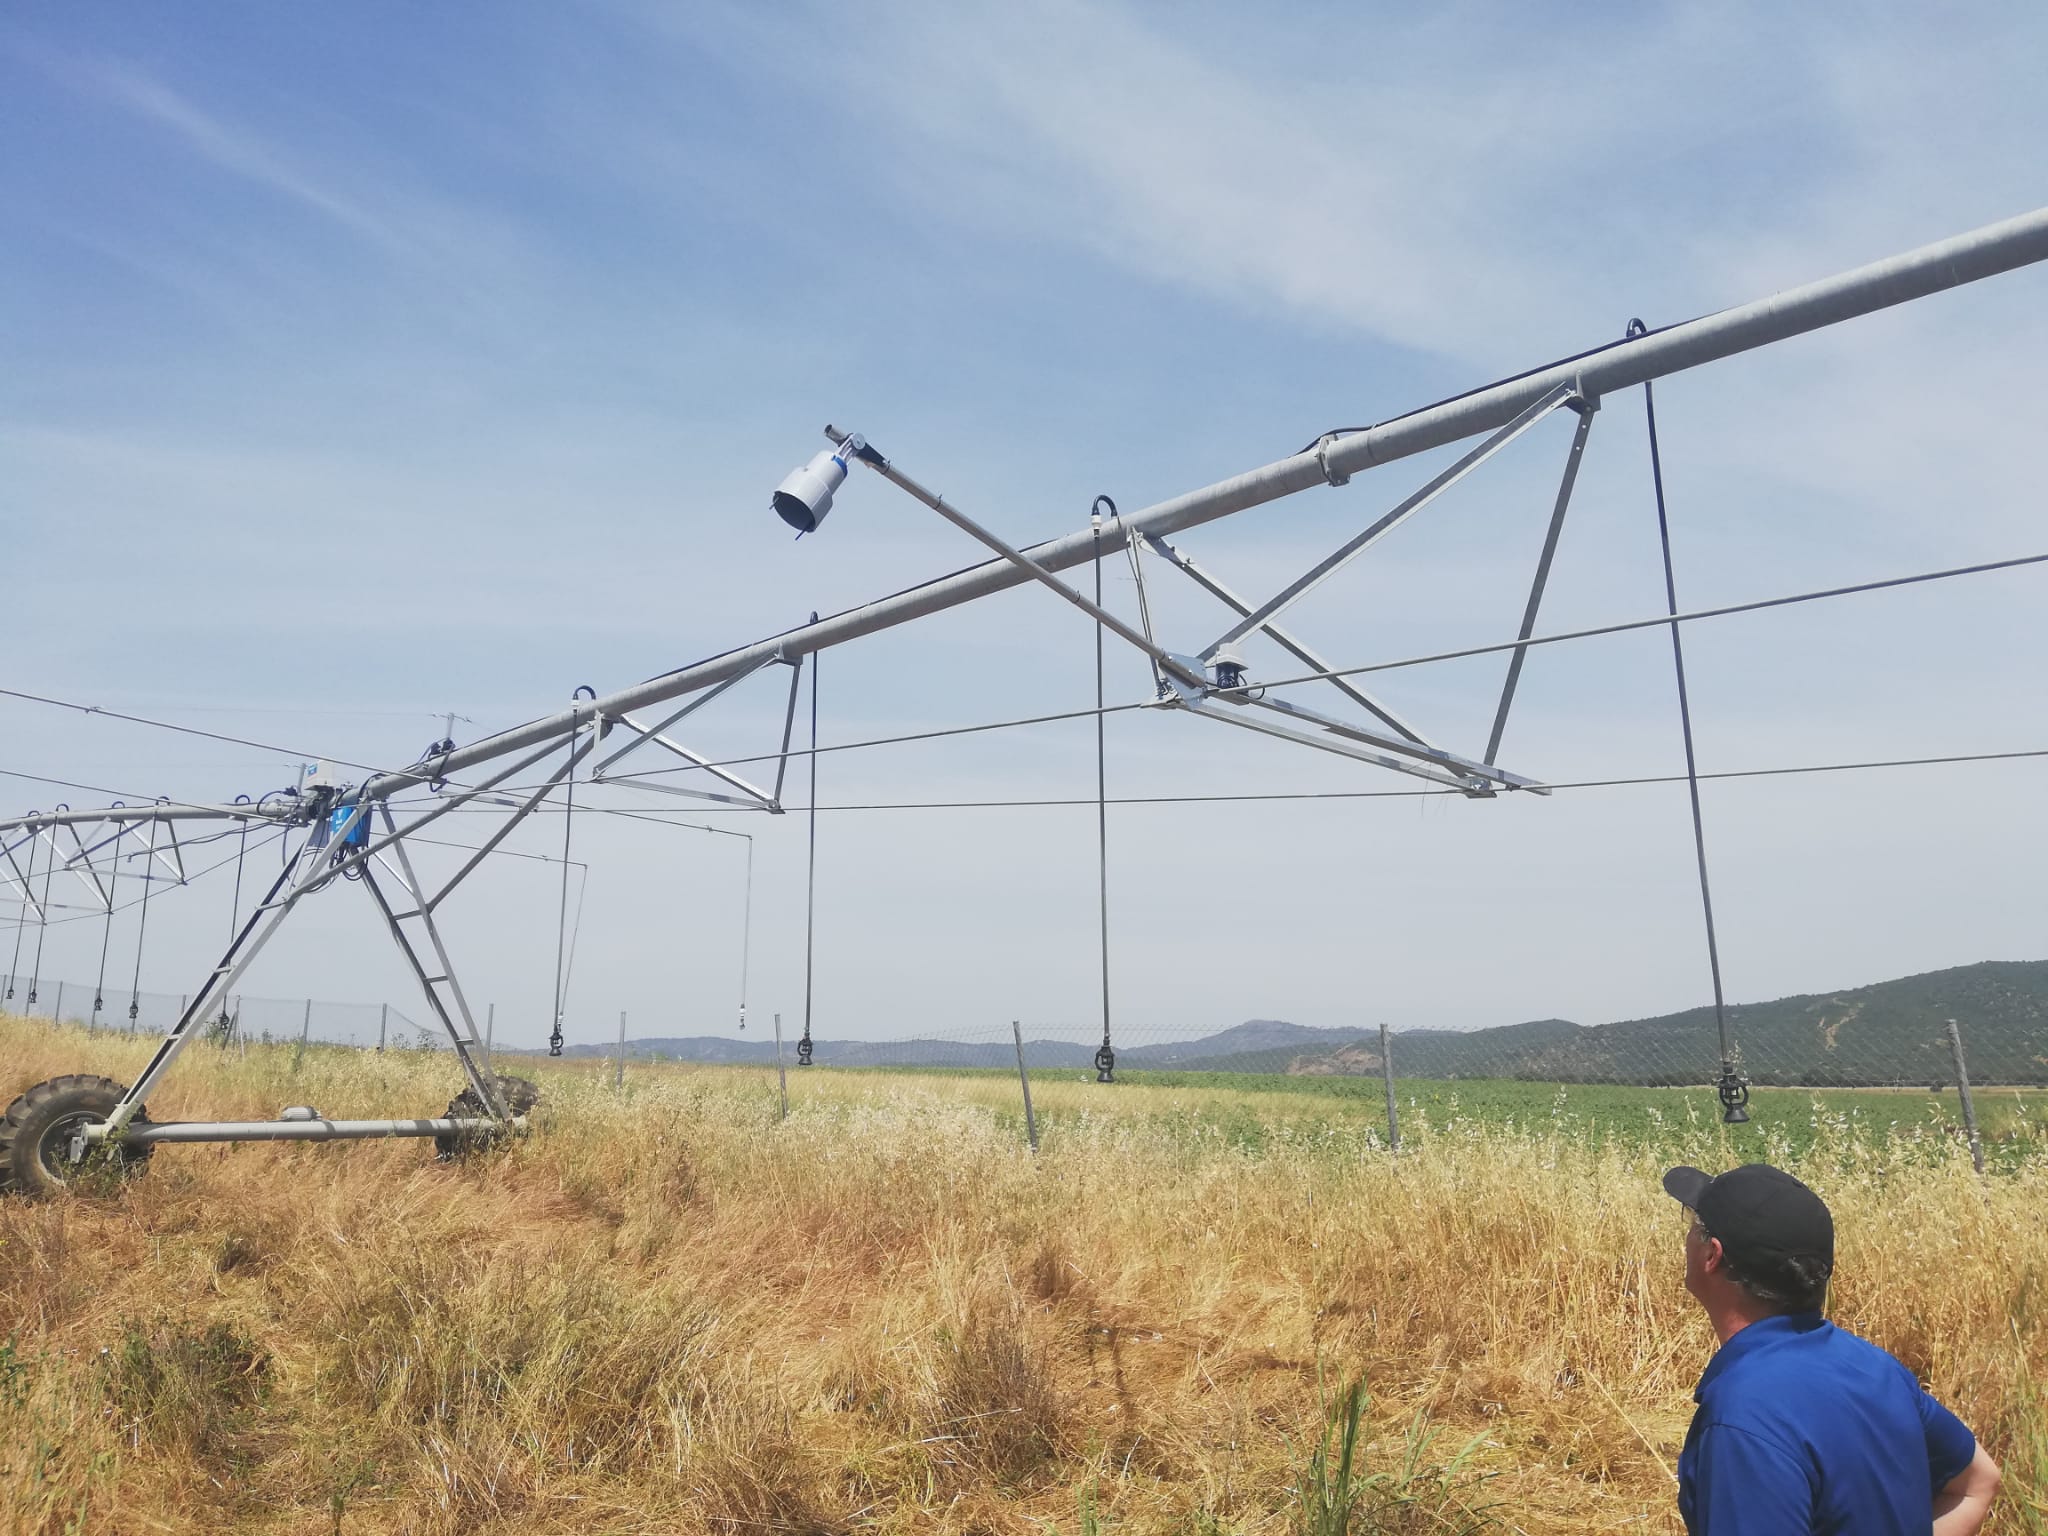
{"points": [[305, 1034], [383, 1023], [781, 1070], [1024, 1077], [235, 1028], [1955, 1046], [1387, 1072], [618, 1067], [57, 1008], [491, 1033]]}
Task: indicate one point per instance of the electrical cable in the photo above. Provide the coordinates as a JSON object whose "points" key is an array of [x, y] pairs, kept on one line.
{"points": [[1660, 621], [1791, 770], [1593, 632]]}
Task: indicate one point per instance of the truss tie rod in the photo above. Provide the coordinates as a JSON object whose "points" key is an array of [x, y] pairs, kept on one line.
{"points": [[1931, 269], [144, 1133]]}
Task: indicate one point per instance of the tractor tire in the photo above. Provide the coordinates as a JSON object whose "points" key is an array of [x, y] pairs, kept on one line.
{"points": [[36, 1131], [519, 1095]]}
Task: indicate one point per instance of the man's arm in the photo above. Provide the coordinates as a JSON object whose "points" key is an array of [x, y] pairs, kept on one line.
{"points": [[1965, 1499]]}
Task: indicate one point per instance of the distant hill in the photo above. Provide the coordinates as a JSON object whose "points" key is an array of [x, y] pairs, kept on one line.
{"points": [[1890, 1032], [1264, 1037]]}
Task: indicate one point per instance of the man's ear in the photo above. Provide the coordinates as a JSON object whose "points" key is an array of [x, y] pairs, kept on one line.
{"points": [[1712, 1259]]}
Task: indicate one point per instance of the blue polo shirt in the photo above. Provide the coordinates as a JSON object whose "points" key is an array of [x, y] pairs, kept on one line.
{"points": [[1804, 1430]]}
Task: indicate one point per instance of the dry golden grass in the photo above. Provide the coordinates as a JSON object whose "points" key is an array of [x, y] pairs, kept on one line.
{"points": [[671, 1312]]}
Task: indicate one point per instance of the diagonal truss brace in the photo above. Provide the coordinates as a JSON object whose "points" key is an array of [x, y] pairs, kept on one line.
{"points": [[441, 987], [1570, 478], [1185, 679], [1353, 548], [1286, 641], [79, 860], [13, 875], [751, 796]]}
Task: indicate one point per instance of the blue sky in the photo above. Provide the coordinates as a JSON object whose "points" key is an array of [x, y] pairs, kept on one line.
{"points": [[371, 362]]}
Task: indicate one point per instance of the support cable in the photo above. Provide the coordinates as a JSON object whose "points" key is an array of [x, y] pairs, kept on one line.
{"points": [[142, 927], [99, 985], [43, 927], [1105, 1058], [21, 922], [562, 909], [235, 912], [1732, 1088], [803, 1046]]}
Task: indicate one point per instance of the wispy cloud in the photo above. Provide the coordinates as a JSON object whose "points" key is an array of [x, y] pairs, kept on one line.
{"points": [[405, 218]]}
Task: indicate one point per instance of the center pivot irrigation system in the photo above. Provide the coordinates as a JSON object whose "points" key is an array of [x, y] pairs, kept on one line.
{"points": [[349, 831]]}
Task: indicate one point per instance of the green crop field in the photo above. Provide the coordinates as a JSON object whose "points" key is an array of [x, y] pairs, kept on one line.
{"points": [[1248, 1108]]}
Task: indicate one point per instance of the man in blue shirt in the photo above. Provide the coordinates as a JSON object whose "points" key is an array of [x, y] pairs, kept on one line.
{"points": [[1802, 1429]]}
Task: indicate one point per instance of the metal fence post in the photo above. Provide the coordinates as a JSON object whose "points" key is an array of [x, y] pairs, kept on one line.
{"points": [[1387, 1072], [491, 1034], [57, 1008], [619, 1066], [781, 1070], [1955, 1046], [305, 1034], [383, 1023], [1024, 1077]]}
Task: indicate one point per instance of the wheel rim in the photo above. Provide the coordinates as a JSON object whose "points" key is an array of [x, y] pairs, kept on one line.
{"points": [[57, 1142]]}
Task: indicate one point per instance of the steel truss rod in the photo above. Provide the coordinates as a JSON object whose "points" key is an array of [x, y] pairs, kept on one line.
{"points": [[1345, 728], [1570, 478], [796, 677], [752, 796], [1351, 549], [1173, 666], [87, 872], [1283, 639], [1230, 716], [262, 922], [490, 843], [153, 1132], [468, 1047], [655, 733], [14, 877], [287, 811]]}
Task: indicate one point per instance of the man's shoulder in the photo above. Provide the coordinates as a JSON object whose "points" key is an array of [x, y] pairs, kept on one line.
{"points": [[1789, 1392]]}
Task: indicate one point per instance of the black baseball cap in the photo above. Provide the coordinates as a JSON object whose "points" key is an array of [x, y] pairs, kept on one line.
{"points": [[1761, 1214]]}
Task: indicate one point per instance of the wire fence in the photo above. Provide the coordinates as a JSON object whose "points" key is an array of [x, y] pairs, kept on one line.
{"points": [[241, 1020]]}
